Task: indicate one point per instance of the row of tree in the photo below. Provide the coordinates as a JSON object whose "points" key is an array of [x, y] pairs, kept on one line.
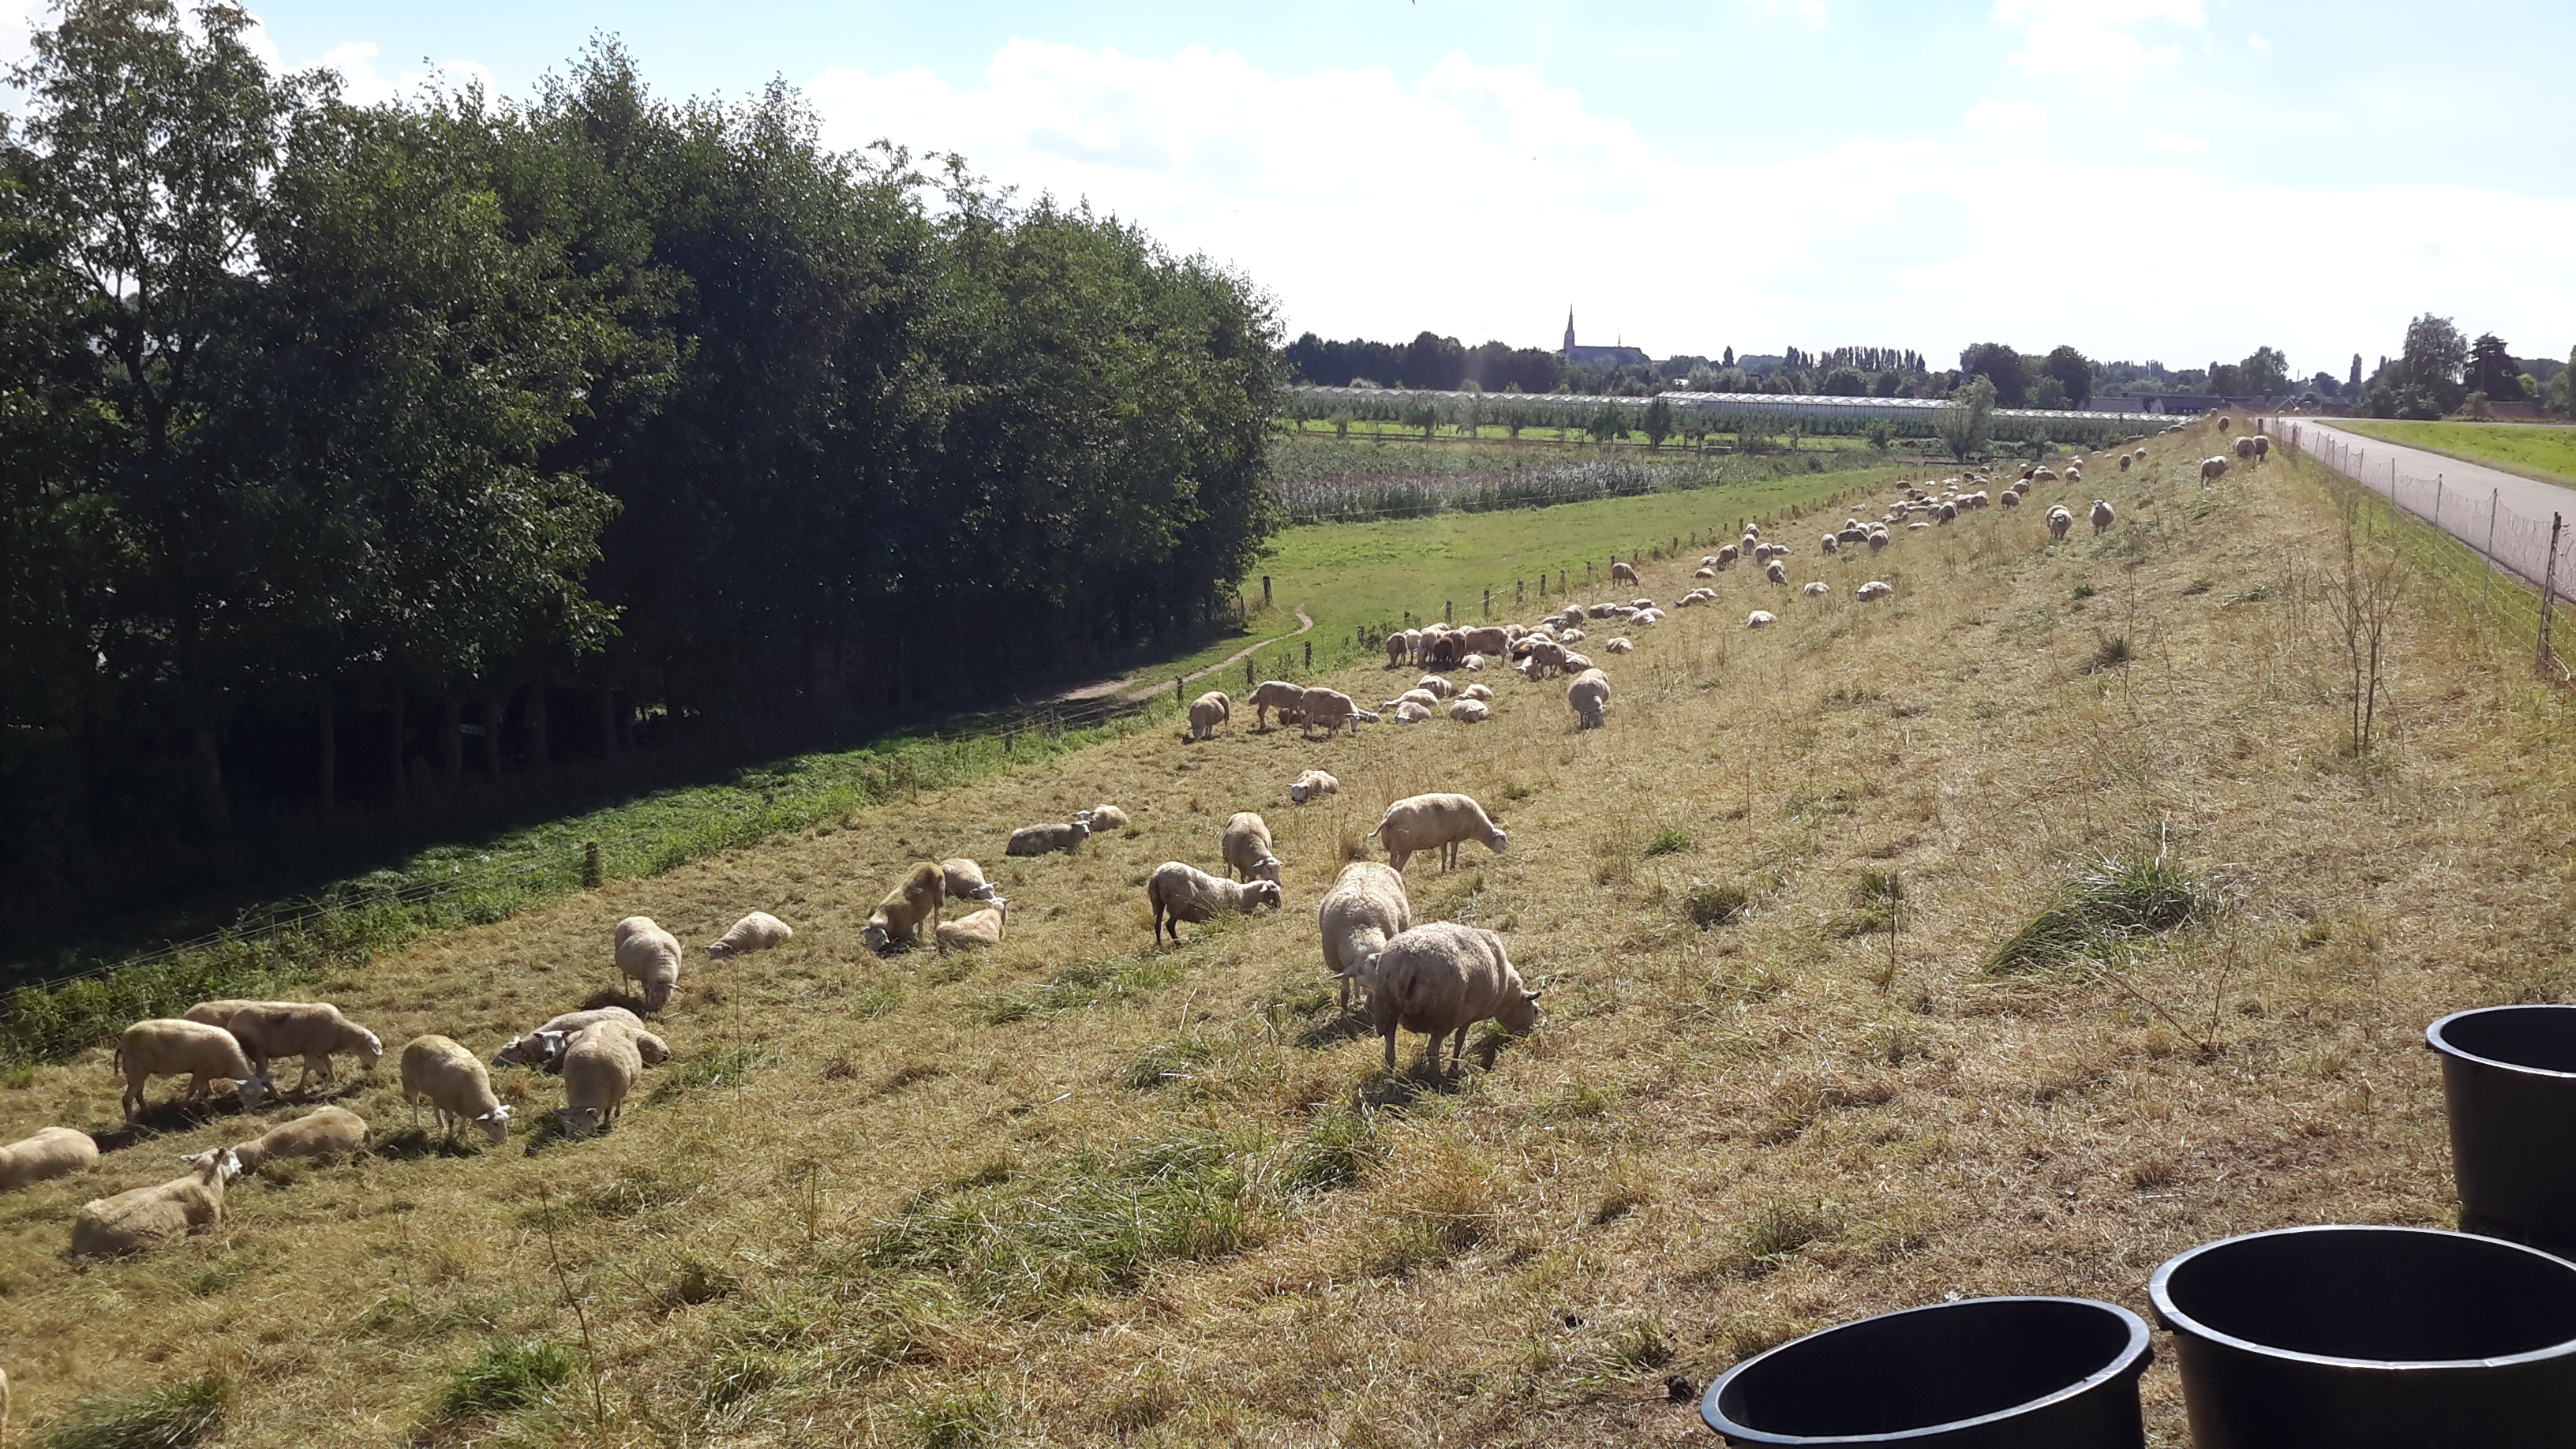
{"points": [[1429, 363], [2440, 371], [491, 434]]}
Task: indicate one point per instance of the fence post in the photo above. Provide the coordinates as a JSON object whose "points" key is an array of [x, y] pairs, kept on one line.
{"points": [[2437, 500], [1489, 603], [1247, 674], [2495, 501], [1310, 656], [1448, 611], [1265, 591], [1180, 690], [2549, 590], [1520, 588]]}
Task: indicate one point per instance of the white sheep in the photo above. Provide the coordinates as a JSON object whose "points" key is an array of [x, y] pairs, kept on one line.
{"points": [[972, 932], [1571, 636], [2101, 515], [2245, 448], [1272, 694], [1473, 663], [221, 1012], [1442, 978], [912, 906], [1760, 619], [1477, 691], [1576, 663], [1333, 710], [2211, 470], [1622, 572], [1727, 556], [1435, 686], [2009, 498], [1878, 538], [322, 1132], [1408, 712], [1423, 822], [755, 932], [1047, 839], [2262, 448], [52, 1153], [1589, 697], [648, 956], [1365, 908], [1833, 543], [543, 1048], [1244, 845], [1315, 784], [2059, 520], [964, 880], [1776, 572], [313, 1030], [1422, 697], [1178, 891], [1208, 711], [1874, 590], [1399, 650], [600, 1068], [1469, 711], [1621, 645], [173, 1047], [1107, 819], [2126, 459], [150, 1216], [445, 1075]]}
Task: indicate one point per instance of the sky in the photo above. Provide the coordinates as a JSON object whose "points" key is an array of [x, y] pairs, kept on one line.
{"points": [[2182, 180]]}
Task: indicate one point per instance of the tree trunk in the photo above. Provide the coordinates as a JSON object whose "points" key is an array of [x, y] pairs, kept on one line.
{"points": [[608, 723], [539, 757], [210, 779], [394, 748], [492, 737], [326, 764], [452, 745]]}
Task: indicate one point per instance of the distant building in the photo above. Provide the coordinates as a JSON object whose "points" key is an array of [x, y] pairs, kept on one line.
{"points": [[1576, 355]]}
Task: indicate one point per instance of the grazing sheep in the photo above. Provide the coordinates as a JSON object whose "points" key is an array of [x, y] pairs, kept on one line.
{"points": [[2059, 520], [52, 1153], [1179, 892], [1207, 712], [1333, 710], [1399, 650], [915, 903], [172, 1047], [1753, 530], [1048, 839], [446, 1076], [1408, 712], [221, 1013], [963, 880], [2222, 422], [1817, 590], [1435, 686], [312, 1030], [1776, 572], [1621, 645], [1108, 819], [2126, 459], [2211, 470], [1422, 822], [150, 1216], [2009, 499], [1727, 556], [2042, 475], [1477, 691], [543, 1048], [2101, 516], [1874, 590], [1245, 847], [1833, 543], [1622, 573], [1589, 697], [2262, 448], [1488, 639], [1444, 650], [1442, 978], [322, 1132], [1272, 694], [1315, 784], [2245, 448], [1469, 711], [650, 957], [973, 932], [600, 1068], [1365, 908], [755, 932], [1946, 513], [1760, 619], [1877, 539]]}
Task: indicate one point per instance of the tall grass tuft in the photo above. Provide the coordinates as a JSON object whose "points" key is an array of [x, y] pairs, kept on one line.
{"points": [[508, 1375], [173, 1416], [2117, 899]]}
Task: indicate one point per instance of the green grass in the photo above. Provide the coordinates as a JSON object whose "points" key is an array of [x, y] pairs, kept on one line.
{"points": [[171, 1417], [509, 1374], [2117, 899], [2548, 454]]}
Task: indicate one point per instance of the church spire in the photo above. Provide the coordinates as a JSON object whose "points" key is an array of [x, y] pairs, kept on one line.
{"points": [[1569, 329]]}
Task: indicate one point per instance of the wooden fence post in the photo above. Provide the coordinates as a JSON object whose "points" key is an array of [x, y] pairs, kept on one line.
{"points": [[2549, 590]]}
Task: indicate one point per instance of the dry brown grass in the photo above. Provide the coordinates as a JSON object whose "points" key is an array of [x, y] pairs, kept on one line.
{"points": [[1718, 1139]]}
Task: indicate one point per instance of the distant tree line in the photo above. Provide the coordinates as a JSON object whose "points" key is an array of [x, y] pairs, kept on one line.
{"points": [[359, 455], [2440, 371], [1429, 363]]}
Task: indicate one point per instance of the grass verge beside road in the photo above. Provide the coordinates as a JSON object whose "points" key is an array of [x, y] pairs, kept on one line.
{"points": [[2547, 454]]}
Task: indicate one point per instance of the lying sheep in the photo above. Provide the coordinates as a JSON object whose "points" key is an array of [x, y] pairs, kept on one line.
{"points": [[1333, 710], [1705, 572], [1208, 711], [914, 905], [2211, 470], [313, 1030], [172, 1047], [1576, 663], [1469, 711], [1108, 819], [2101, 515], [52, 1153], [322, 1132], [1422, 697], [1817, 590], [1571, 636], [1245, 847], [1424, 822], [963, 880], [2059, 520], [755, 932], [543, 1048], [1443, 978], [1272, 694], [1047, 839], [973, 932], [1873, 590], [1179, 892], [1435, 686], [449, 1078], [1473, 663], [1366, 908], [1315, 784], [150, 1216], [1477, 691], [1760, 619], [1589, 697], [648, 956], [1620, 645], [600, 1068], [1409, 712]]}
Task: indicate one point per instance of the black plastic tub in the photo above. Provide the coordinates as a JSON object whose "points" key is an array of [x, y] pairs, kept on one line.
{"points": [[2372, 1338], [2509, 1082], [1982, 1373]]}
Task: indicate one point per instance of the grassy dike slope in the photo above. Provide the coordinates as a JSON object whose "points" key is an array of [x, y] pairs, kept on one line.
{"points": [[1080, 1191]]}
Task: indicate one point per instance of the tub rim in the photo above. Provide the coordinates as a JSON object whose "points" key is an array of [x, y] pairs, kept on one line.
{"points": [[2434, 1040]]}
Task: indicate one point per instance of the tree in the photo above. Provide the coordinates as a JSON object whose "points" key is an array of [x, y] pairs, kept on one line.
{"points": [[2492, 369], [1730, 358], [2073, 372], [2000, 365], [1607, 423], [2352, 386], [1657, 424], [2434, 356], [2266, 373], [1845, 382], [1963, 423]]}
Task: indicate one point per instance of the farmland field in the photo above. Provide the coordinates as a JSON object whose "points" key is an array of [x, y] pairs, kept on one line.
{"points": [[2545, 453], [1838, 1019]]}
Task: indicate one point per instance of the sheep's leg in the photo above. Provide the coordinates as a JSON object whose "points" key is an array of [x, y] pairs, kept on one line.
{"points": [[134, 1093], [1390, 1048], [1458, 1051]]}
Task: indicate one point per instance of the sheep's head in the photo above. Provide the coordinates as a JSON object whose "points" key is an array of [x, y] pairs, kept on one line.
{"points": [[1519, 1016], [219, 1164], [1498, 838], [720, 949], [371, 1051], [1297, 793], [652, 1049], [255, 1089], [496, 1124], [876, 937], [577, 1122], [1263, 892]]}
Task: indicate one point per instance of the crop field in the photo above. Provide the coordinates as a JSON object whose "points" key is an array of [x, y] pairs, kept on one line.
{"points": [[2007, 936], [2546, 453]]}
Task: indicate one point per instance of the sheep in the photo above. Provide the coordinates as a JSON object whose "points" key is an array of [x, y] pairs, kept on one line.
{"points": [[543, 1048], [1178, 891], [2101, 516], [1648, 617], [1333, 710], [311, 1030], [2126, 459], [150, 1216], [172, 1047], [1272, 694], [2222, 422], [1705, 572], [1048, 839], [1776, 572], [600, 1068], [1693, 599], [322, 1132], [1469, 711], [221, 1012], [1817, 590], [1727, 556], [1109, 819], [973, 932], [1571, 636], [1589, 697], [52, 1153], [1365, 908], [1488, 639], [1874, 590], [1569, 616], [1622, 573], [1245, 847], [650, 957], [1443, 650], [1753, 530], [1407, 712], [1477, 691], [1315, 784], [2009, 499], [915, 902], [964, 880], [755, 932], [1397, 650], [1422, 697], [1421, 822], [1473, 663], [1621, 645], [1442, 978], [1760, 619], [2211, 470], [446, 1076], [2262, 448], [1576, 663], [1946, 513], [1412, 645], [1877, 539], [2042, 475], [2074, 475], [2245, 448], [1435, 686], [1207, 712], [1833, 543], [2059, 520]]}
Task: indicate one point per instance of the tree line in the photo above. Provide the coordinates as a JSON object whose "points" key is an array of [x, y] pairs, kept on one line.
{"points": [[352, 453], [2439, 371]]}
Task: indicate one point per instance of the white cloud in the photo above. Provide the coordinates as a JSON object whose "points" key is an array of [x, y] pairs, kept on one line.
{"points": [[2176, 141], [363, 85], [1814, 12], [2259, 43], [2006, 118], [2092, 38]]}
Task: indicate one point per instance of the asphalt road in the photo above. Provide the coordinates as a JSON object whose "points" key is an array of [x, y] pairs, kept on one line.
{"points": [[2468, 488]]}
